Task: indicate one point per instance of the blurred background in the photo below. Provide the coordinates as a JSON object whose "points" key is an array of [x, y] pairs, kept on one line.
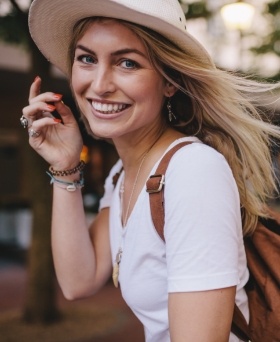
{"points": [[242, 36]]}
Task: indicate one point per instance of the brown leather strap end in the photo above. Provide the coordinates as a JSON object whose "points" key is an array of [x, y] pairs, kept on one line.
{"points": [[239, 325]]}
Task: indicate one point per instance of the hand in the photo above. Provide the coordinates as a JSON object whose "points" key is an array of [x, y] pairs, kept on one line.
{"points": [[59, 142]]}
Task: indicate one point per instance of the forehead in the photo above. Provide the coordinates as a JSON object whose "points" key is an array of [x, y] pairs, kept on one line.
{"points": [[111, 30]]}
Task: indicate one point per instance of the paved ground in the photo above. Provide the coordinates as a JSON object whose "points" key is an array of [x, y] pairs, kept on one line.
{"points": [[106, 311], [13, 277]]}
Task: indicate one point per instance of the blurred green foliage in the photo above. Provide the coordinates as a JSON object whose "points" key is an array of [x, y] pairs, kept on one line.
{"points": [[271, 42], [196, 9], [13, 25]]}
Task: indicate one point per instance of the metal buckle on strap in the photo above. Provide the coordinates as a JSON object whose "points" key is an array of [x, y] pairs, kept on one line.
{"points": [[160, 184]]}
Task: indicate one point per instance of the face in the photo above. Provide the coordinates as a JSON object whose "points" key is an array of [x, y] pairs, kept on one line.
{"points": [[114, 83]]}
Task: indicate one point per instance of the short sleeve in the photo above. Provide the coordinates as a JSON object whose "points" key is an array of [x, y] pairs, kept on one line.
{"points": [[109, 187], [203, 229]]}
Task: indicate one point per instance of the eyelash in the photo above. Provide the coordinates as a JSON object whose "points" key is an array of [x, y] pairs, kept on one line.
{"points": [[134, 66], [82, 57]]}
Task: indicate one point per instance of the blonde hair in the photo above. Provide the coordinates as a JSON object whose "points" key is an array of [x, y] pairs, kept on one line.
{"points": [[220, 109]]}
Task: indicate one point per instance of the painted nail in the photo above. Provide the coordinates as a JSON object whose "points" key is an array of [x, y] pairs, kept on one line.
{"points": [[56, 120], [57, 96], [50, 108]]}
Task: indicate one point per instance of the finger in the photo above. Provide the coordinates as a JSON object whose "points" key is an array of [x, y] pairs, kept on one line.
{"points": [[38, 130], [46, 97], [40, 124], [35, 93], [33, 133], [34, 111], [35, 88], [46, 114], [65, 113]]}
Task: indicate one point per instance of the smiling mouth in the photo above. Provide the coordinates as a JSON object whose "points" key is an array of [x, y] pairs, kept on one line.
{"points": [[108, 108]]}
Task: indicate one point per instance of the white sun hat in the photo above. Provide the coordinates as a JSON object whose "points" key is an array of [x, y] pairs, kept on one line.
{"points": [[51, 23]]}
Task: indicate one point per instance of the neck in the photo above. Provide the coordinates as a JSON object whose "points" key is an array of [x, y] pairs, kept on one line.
{"points": [[132, 152], [138, 165]]}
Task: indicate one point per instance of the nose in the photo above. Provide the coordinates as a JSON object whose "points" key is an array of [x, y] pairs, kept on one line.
{"points": [[103, 80]]}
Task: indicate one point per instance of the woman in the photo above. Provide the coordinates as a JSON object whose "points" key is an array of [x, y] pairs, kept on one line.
{"points": [[143, 82]]}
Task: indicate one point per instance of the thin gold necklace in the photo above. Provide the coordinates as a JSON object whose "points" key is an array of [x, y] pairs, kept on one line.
{"points": [[118, 258], [133, 189], [116, 268]]}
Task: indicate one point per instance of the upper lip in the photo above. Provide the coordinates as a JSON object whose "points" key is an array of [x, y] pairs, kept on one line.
{"points": [[107, 102]]}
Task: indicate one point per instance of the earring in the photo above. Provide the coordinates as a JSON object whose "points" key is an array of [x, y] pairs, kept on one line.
{"points": [[171, 115]]}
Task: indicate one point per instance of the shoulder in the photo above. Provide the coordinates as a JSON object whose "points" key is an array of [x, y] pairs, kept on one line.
{"points": [[199, 174], [113, 175], [115, 168], [109, 185], [198, 158]]}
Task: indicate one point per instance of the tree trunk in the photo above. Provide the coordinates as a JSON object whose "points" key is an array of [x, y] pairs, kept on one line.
{"points": [[40, 305]]}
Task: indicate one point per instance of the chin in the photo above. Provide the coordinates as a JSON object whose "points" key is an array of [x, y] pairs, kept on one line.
{"points": [[99, 136]]}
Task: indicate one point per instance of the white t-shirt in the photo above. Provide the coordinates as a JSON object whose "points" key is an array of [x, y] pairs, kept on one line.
{"points": [[204, 245]]}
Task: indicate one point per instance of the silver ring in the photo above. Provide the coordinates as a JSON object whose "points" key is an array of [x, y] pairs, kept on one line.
{"points": [[33, 134], [23, 121]]}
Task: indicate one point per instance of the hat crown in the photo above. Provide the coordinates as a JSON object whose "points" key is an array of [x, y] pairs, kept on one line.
{"points": [[167, 10]]}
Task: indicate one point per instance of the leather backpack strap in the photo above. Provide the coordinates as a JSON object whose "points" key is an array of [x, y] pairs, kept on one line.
{"points": [[155, 188]]}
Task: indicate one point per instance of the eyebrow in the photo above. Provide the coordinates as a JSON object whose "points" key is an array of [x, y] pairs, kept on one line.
{"points": [[115, 53]]}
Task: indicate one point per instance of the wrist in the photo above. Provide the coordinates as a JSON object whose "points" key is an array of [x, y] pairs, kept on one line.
{"points": [[69, 184], [69, 179], [69, 171]]}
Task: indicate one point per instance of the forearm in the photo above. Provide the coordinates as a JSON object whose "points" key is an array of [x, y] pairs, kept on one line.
{"points": [[80, 269], [73, 253]]}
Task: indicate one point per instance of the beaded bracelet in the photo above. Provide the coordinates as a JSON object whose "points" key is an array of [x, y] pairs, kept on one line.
{"points": [[69, 172], [69, 186]]}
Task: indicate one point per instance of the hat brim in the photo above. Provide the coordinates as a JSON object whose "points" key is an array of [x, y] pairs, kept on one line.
{"points": [[51, 23]]}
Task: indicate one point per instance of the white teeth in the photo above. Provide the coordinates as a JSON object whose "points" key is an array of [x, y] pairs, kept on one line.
{"points": [[108, 108]]}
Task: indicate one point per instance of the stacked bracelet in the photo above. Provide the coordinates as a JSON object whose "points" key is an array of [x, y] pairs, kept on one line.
{"points": [[69, 172], [69, 186]]}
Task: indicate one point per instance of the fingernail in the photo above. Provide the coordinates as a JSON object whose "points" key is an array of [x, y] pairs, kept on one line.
{"points": [[57, 96], [36, 78], [56, 120], [50, 108]]}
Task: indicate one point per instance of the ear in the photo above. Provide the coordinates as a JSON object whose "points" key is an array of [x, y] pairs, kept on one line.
{"points": [[170, 89]]}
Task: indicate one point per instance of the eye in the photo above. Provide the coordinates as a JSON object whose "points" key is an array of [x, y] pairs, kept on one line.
{"points": [[87, 59], [129, 64]]}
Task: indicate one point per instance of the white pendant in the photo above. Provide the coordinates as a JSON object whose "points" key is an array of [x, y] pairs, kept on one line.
{"points": [[116, 268]]}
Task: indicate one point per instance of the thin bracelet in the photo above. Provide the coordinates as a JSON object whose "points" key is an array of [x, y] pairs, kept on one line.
{"points": [[69, 186], [69, 172]]}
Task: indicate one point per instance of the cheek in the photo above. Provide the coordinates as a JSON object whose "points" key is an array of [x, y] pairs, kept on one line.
{"points": [[78, 82], [148, 88], [155, 90], [76, 87]]}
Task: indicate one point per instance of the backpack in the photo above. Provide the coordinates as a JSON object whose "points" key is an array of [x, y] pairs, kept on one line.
{"points": [[262, 252]]}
